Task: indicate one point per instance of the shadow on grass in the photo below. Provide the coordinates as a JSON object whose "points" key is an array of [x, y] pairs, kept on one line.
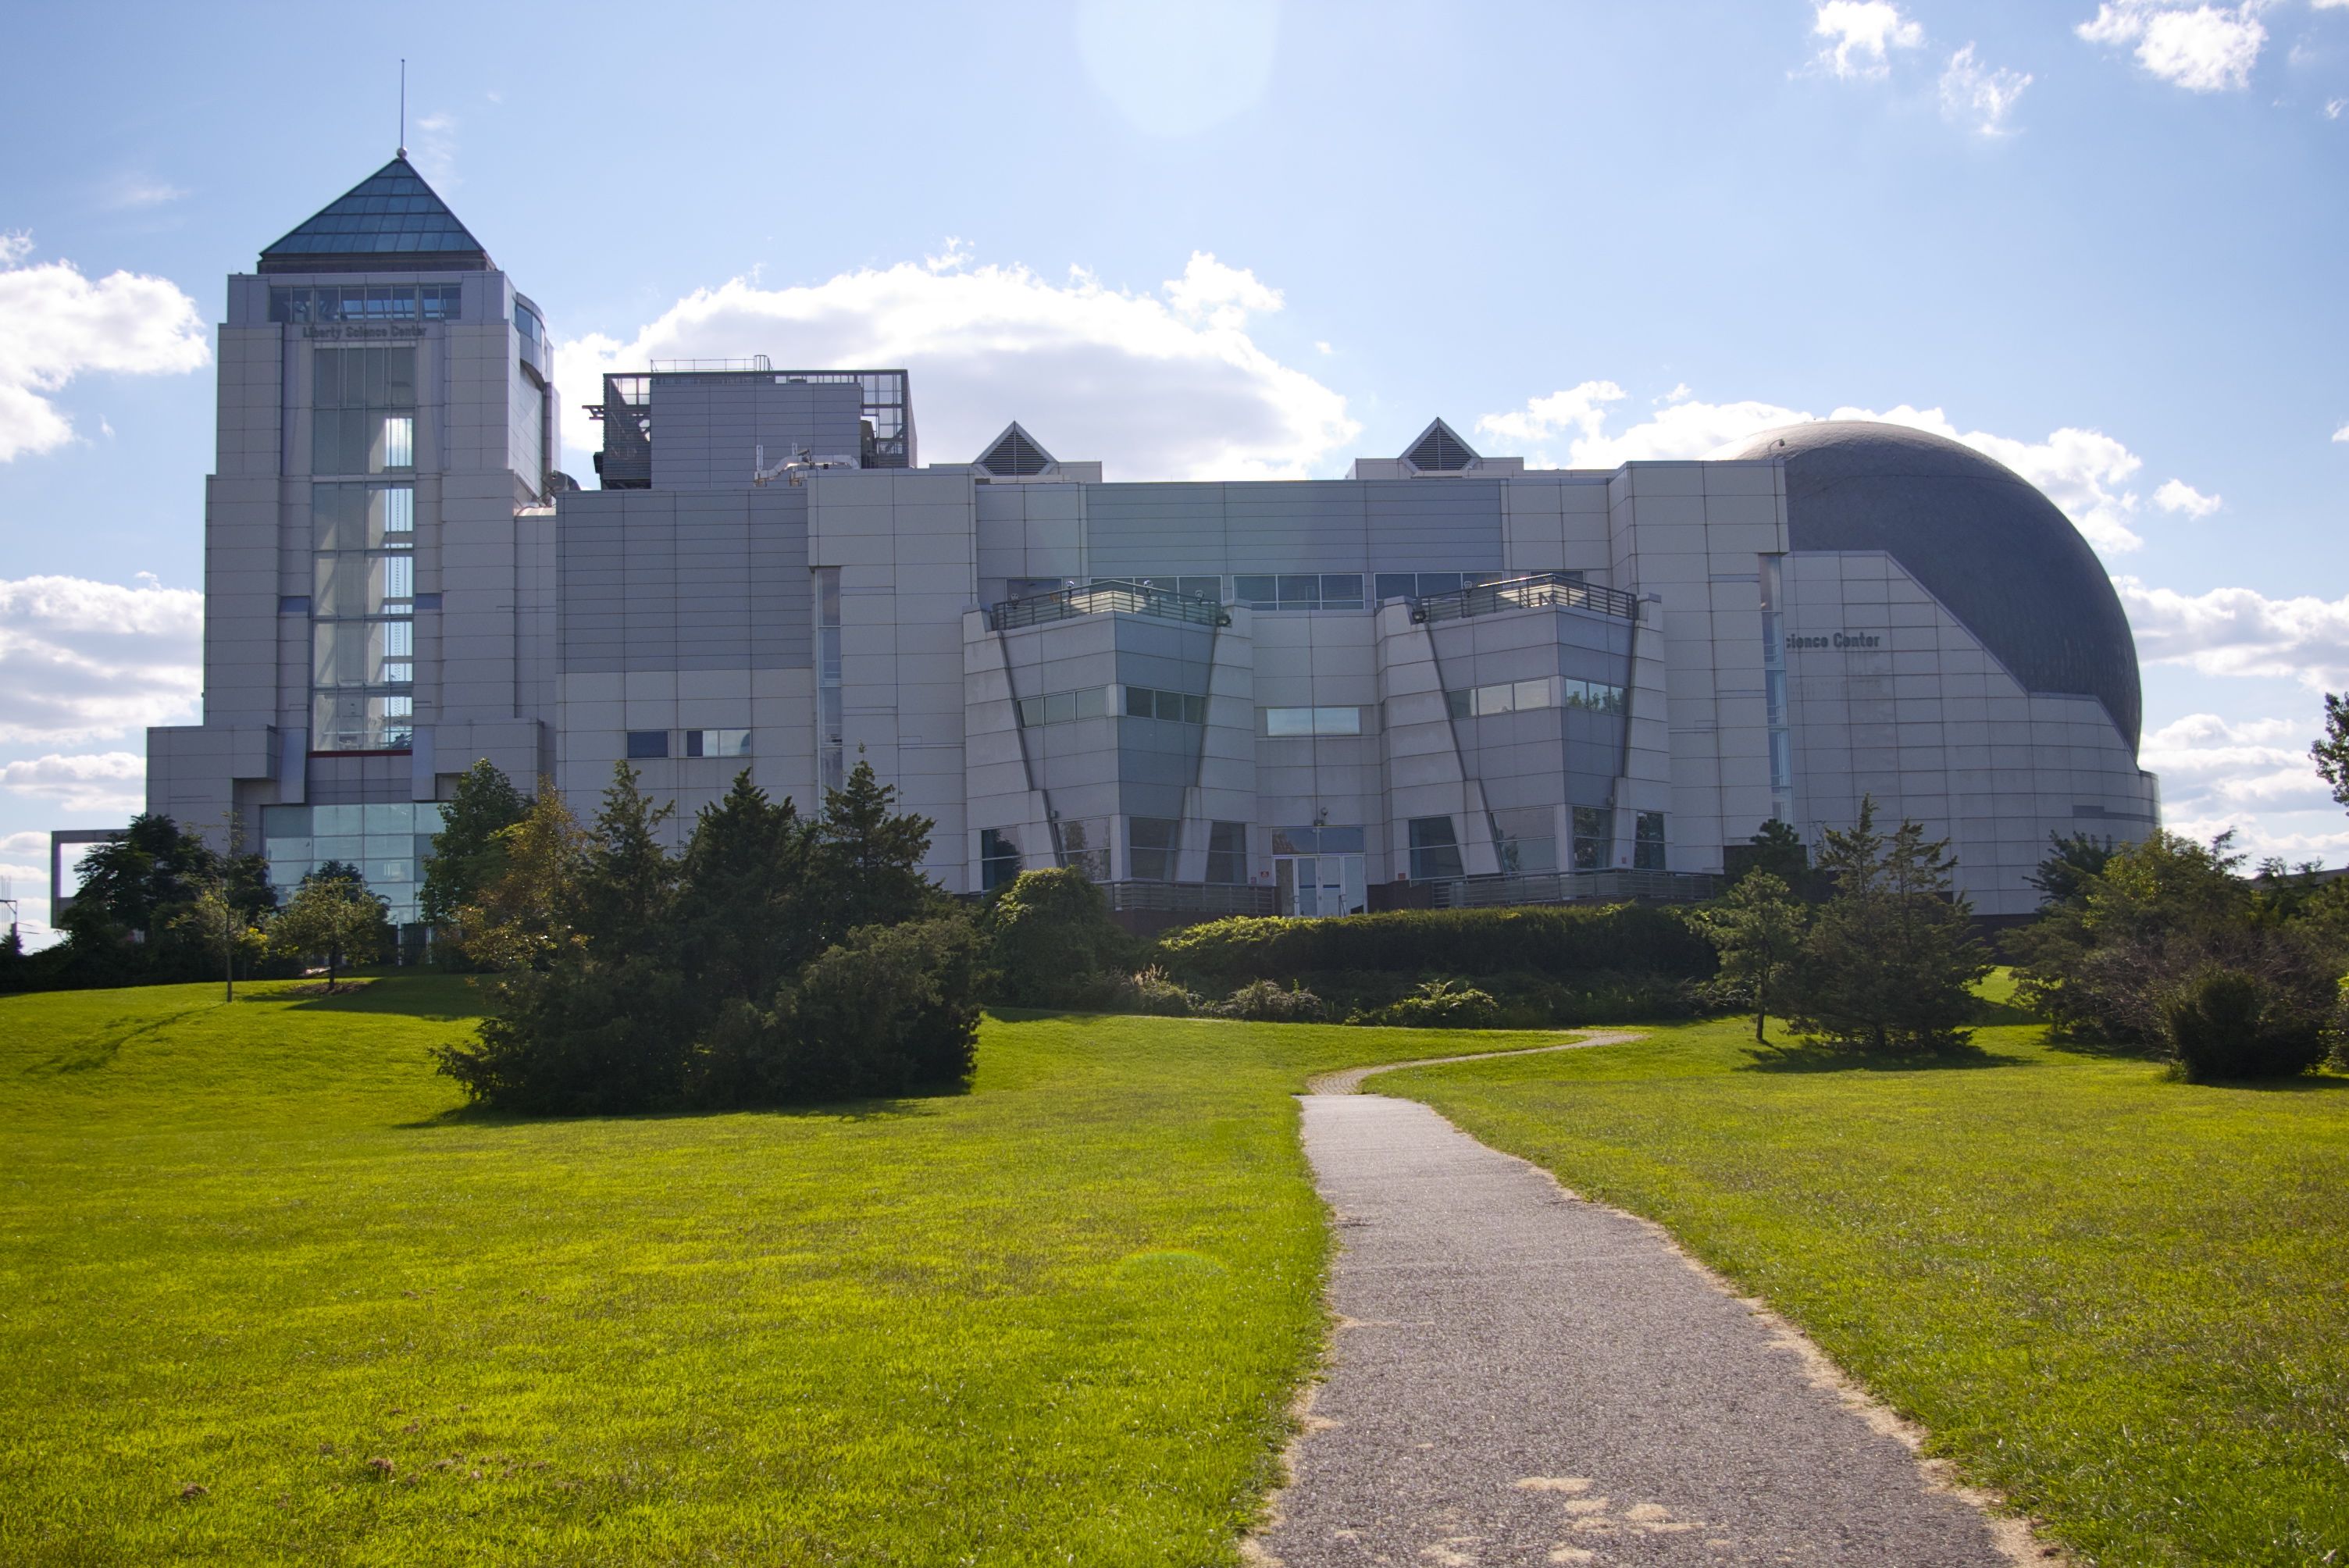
{"points": [[1812, 1056], [415, 995], [895, 1108]]}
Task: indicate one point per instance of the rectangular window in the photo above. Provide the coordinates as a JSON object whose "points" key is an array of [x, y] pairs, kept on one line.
{"points": [[1397, 585], [1648, 841], [999, 858], [1435, 850], [1173, 707], [443, 301], [830, 749], [647, 743], [1228, 861], [1084, 845], [1594, 832], [398, 445], [1302, 721], [1301, 592], [1342, 591], [1152, 844], [1593, 696], [1525, 840], [717, 743], [1504, 696], [289, 304], [1257, 592]]}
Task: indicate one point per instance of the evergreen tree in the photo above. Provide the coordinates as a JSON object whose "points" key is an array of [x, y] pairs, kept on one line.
{"points": [[466, 852], [867, 858], [130, 889], [743, 911], [2067, 873], [12, 961], [626, 879], [1891, 959], [1757, 928]]}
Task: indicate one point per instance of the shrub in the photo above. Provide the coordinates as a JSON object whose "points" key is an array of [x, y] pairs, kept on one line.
{"points": [[1627, 938], [2226, 1024], [1442, 1004], [1050, 939], [1150, 991], [892, 1008], [1264, 1002]]}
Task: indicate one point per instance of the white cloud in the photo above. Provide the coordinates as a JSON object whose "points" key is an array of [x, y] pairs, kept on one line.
{"points": [[2084, 472], [1159, 386], [91, 661], [2237, 632], [55, 324], [2203, 49], [434, 152], [1861, 35], [1979, 96], [2252, 775], [2341, 434], [135, 192], [2177, 495], [99, 781], [2333, 108]]}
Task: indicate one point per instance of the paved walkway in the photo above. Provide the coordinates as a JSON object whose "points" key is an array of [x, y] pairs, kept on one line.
{"points": [[1520, 1376]]}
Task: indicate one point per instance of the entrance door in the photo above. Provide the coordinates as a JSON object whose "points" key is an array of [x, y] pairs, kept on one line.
{"points": [[1321, 884]]}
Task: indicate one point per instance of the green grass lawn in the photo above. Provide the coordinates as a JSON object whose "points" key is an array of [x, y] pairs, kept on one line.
{"points": [[254, 1248], [2122, 1301]]}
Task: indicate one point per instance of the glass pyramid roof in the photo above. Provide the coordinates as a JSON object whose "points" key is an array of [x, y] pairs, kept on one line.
{"points": [[391, 220]]}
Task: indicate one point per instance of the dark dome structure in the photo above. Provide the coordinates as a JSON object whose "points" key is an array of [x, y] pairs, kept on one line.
{"points": [[1978, 536]]}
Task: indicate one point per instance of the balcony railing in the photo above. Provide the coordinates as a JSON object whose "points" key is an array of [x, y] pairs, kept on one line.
{"points": [[1189, 898], [1574, 887], [1101, 598], [1542, 591]]}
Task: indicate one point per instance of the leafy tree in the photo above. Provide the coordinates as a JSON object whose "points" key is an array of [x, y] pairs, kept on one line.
{"points": [[333, 916], [1890, 958], [131, 889], [2331, 752], [1757, 928], [1050, 937], [868, 858], [2068, 871], [466, 852], [521, 916]]}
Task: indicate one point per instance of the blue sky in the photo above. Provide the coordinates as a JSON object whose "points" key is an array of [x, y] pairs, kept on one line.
{"points": [[2106, 242]]}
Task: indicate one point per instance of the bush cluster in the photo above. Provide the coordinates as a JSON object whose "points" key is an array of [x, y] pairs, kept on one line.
{"points": [[777, 961], [1556, 940], [2162, 944]]}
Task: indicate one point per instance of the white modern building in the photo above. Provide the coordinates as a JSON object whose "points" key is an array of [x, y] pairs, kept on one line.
{"points": [[1447, 677]]}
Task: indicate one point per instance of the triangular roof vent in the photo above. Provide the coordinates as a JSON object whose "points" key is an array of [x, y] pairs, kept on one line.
{"points": [[1440, 450], [389, 222], [1015, 454]]}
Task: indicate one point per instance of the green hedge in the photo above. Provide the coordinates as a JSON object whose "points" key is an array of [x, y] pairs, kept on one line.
{"points": [[1621, 938]]}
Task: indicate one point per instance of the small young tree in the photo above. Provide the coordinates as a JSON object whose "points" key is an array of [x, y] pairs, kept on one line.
{"points": [[468, 852], [1889, 959], [215, 920], [1757, 929], [333, 916]]}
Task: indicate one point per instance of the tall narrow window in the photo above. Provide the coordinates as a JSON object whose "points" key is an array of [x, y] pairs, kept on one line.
{"points": [[1152, 845], [1435, 850], [830, 738], [1227, 852], [1648, 841], [1773, 686], [363, 641], [1594, 832], [999, 858]]}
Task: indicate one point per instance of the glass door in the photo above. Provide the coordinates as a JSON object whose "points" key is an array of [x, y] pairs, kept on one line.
{"points": [[1321, 884]]}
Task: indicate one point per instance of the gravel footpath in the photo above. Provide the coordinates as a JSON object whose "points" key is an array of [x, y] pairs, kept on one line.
{"points": [[1521, 1377]]}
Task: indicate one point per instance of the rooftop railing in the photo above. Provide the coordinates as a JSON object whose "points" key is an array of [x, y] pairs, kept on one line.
{"points": [[1101, 598], [1542, 591]]}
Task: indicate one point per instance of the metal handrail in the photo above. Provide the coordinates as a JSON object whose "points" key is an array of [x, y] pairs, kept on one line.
{"points": [[1541, 591], [1099, 598]]}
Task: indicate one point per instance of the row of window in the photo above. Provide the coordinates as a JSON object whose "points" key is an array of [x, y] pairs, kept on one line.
{"points": [[350, 653], [361, 441], [1289, 721], [1092, 702], [1154, 847], [1517, 696], [645, 744], [370, 302], [1300, 590], [373, 377], [361, 721]]}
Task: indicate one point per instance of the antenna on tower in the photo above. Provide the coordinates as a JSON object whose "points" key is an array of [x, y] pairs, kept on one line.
{"points": [[403, 109]]}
